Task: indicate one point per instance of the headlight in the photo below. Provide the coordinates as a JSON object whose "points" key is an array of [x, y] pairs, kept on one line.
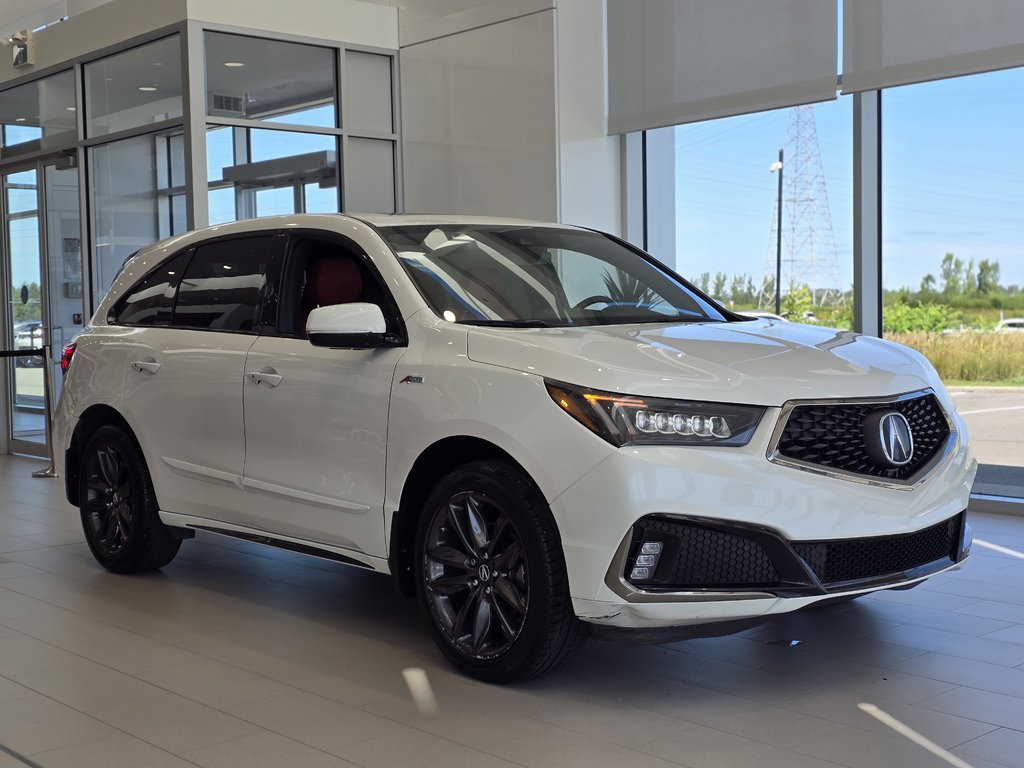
{"points": [[635, 420]]}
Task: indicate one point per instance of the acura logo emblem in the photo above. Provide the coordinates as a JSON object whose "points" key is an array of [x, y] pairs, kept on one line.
{"points": [[888, 438]]}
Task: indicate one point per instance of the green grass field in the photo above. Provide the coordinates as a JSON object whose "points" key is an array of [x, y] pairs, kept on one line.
{"points": [[970, 357]]}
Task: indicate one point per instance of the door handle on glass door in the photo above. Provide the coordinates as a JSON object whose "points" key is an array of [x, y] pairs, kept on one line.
{"points": [[148, 366], [270, 377]]}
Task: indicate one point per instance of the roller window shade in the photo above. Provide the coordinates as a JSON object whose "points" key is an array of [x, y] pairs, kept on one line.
{"points": [[680, 61], [896, 42]]}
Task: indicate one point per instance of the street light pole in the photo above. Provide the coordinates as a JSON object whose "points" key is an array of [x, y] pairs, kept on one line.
{"points": [[777, 166]]}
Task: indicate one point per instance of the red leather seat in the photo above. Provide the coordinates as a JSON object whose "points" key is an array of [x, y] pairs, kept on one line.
{"points": [[334, 280]]}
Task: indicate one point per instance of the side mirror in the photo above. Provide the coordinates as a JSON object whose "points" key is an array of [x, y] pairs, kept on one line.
{"points": [[349, 326]]}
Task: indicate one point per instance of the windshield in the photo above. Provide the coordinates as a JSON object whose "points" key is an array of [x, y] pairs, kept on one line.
{"points": [[535, 276]]}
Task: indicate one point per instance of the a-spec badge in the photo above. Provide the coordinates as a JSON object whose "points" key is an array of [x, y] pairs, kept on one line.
{"points": [[412, 380], [888, 438]]}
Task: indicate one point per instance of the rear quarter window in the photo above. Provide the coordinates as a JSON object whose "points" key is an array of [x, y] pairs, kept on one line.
{"points": [[151, 300]]}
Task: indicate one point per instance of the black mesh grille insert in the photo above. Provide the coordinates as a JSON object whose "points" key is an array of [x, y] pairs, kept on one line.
{"points": [[851, 559], [832, 435], [698, 556]]}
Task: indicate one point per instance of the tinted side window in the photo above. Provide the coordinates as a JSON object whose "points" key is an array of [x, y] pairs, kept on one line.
{"points": [[150, 301], [222, 286]]}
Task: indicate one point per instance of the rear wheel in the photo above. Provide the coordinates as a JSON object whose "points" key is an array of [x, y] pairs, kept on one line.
{"points": [[491, 575], [118, 506]]}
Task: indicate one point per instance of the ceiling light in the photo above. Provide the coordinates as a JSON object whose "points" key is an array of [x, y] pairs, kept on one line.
{"points": [[234, 63], [20, 119], [147, 88], [70, 109]]}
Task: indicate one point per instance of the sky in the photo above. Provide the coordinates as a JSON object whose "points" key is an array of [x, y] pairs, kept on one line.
{"points": [[953, 180]]}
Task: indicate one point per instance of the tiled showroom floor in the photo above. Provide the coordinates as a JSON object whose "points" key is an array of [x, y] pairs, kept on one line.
{"points": [[236, 655]]}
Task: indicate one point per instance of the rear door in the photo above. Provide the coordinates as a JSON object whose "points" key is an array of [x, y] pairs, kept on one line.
{"points": [[183, 383]]}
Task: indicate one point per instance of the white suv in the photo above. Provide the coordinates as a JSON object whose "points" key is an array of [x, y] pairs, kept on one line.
{"points": [[536, 429]]}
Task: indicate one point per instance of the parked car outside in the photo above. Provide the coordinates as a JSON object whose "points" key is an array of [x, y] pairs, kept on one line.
{"points": [[1011, 324], [537, 430], [28, 335]]}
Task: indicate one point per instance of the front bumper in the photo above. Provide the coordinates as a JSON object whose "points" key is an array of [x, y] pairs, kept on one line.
{"points": [[804, 525]]}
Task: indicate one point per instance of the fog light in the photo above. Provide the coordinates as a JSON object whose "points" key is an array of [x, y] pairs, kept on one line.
{"points": [[646, 561]]}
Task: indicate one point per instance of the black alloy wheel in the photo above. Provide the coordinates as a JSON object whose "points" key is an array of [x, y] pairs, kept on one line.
{"points": [[118, 505], [476, 579], [490, 574], [107, 503]]}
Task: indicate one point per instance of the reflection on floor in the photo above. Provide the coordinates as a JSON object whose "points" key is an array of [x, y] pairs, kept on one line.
{"points": [[237, 655]]}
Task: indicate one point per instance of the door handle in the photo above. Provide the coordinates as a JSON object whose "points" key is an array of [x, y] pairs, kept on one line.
{"points": [[148, 366], [270, 377]]}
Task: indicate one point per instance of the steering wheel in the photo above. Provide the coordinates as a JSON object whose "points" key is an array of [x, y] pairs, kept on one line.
{"points": [[593, 300]]}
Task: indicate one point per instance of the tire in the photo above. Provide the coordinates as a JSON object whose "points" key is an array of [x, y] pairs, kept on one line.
{"points": [[118, 506], [491, 576]]}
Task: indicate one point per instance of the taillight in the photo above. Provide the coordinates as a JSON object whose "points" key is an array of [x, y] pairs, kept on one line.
{"points": [[65, 357]]}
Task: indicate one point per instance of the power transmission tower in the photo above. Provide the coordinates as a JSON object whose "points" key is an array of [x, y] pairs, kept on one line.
{"points": [[808, 241]]}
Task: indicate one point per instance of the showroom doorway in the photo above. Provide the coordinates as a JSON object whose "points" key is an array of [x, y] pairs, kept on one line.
{"points": [[42, 248]]}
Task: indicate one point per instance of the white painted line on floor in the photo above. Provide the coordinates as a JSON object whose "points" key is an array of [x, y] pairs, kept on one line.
{"points": [[997, 548], [906, 731], [993, 410], [422, 694]]}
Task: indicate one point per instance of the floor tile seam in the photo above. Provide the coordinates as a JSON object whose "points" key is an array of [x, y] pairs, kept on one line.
{"points": [[94, 718], [113, 625], [888, 704], [987, 733], [968, 758], [993, 726], [882, 667], [400, 726], [945, 628], [42, 753], [973, 689], [1013, 646], [290, 739], [989, 598], [758, 704], [687, 723], [757, 742]]}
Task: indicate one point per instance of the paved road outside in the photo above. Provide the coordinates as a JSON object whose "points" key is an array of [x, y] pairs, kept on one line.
{"points": [[995, 423]]}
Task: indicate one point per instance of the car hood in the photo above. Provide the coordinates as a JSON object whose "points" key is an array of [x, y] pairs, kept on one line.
{"points": [[761, 362]]}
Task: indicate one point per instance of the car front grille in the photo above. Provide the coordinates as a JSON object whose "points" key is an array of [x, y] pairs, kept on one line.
{"points": [[710, 555], [832, 435], [853, 559]]}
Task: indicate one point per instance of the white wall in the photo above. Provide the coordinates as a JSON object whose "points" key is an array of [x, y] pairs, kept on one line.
{"points": [[479, 120], [503, 110], [589, 160]]}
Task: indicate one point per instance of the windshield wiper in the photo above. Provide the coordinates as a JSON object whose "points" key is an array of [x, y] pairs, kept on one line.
{"points": [[505, 323]]}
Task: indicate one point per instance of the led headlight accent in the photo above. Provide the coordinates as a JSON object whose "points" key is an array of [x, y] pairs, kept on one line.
{"points": [[630, 419]]}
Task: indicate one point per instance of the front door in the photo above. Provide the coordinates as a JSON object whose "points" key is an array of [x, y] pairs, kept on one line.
{"points": [[42, 248]]}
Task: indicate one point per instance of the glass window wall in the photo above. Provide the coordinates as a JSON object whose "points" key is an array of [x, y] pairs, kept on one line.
{"points": [[135, 88], [137, 197], [953, 251], [258, 172], [257, 79], [728, 199], [38, 115]]}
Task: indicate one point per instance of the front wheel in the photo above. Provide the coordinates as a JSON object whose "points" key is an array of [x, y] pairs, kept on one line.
{"points": [[491, 575], [118, 506]]}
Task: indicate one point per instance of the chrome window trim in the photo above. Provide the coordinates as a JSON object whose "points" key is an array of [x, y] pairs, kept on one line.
{"points": [[926, 471]]}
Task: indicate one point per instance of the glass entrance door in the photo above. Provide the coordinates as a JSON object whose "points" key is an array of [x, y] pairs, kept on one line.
{"points": [[45, 304]]}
